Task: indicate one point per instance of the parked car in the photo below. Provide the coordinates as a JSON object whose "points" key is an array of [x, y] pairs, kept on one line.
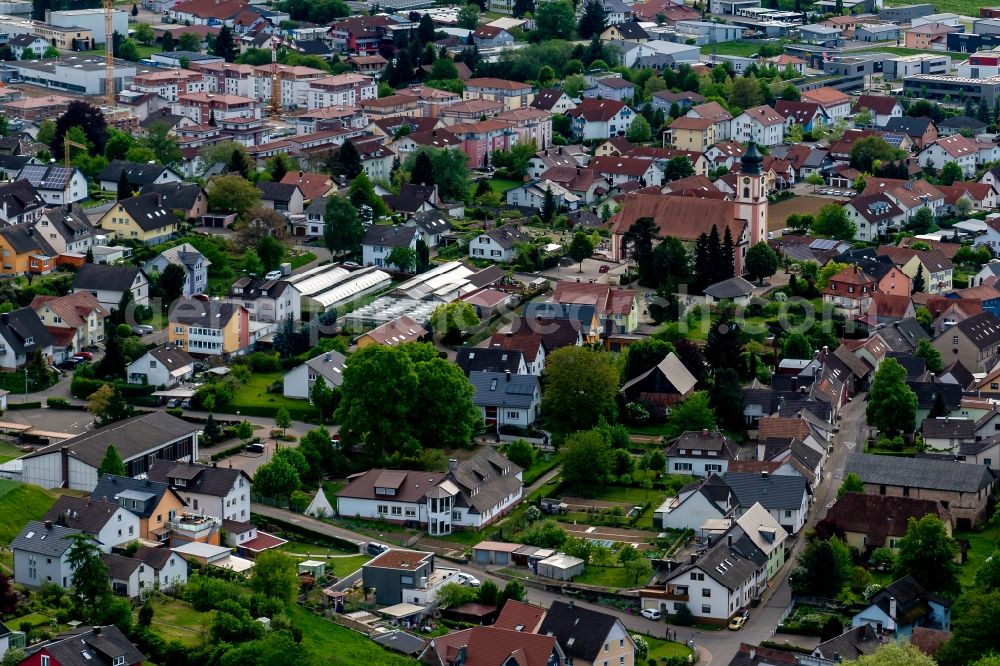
{"points": [[468, 579], [85, 355], [737, 622], [274, 275], [376, 548], [69, 364], [142, 329], [604, 268], [173, 402], [650, 613], [186, 403], [255, 448]]}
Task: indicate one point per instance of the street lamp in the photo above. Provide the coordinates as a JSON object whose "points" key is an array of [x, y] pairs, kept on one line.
{"points": [[24, 398]]}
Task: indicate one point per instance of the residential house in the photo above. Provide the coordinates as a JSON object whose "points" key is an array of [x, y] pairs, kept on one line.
{"points": [[471, 494], [962, 488], [553, 100], [973, 341], [766, 533], [931, 265], [75, 321], [528, 342], [27, 46], [735, 289], [903, 605], [138, 175], [22, 333], [396, 332], [665, 384], [190, 260], [328, 368], [534, 194], [850, 292], [166, 365], [491, 36], [68, 231], [701, 453], [690, 133], [910, 196], [760, 124], [881, 107], [719, 116], [600, 119], [630, 31], [588, 637], [492, 645], [806, 114], [431, 226], [477, 359], [956, 148], [786, 497], [169, 569], [57, 185], [929, 36], [222, 493], [617, 310], [978, 195], [512, 94], [109, 283], [381, 239], [835, 104], [696, 504], [102, 645], [851, 513], [947, 434], [281, 197], [108, 522], [665, 99], [41, 554], [140, 218], [128, 575], [212, 328], [874, 217], [620, 170], [497, 244], [20, 203], [25, 252], [267, 300], [921, 131], [139, 440], [611, 87], [850, 645]]}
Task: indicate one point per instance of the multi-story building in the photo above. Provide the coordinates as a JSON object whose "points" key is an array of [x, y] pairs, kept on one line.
{"points": [[238, 117], [937, 87], [81, 75], [219, 492], [481, 138], [346, 90], [761, 124], [170, 83], [212, 328], [512, 94], [293, 81], [530, 126], [267, 300], [226, 78]]}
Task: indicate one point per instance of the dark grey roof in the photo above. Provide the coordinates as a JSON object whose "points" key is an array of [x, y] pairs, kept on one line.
{"points": [[703, 440], [772, 491], [734, 287], [963, 122], [179, 196], [24, 39], [927, 394], [982, 329], [37, 538], [138, 173], [809, 456], [329, 365], [250, 288], [948, 428], [911, 599], [503, 390], [90, 646], [850, 645], [913, 473], [477, 359], [317, 206], [581, 632], [315, 47], [431, 222], [133, 437], [105, 277], [24, 331], [23, 238], [724, 565], [82, 513], [975, 448], [400, 641], [961, 374], [914, 127], [109, 487], [119, 566], [632, 30], [271, 191], [217, 481], [19, 197], [914, 365], [171, 356], [389, 235], [689, 97], [71, 223], [546, 98], [4, 631], [485, 471], [15, 162], [146, 211], [213, 314], [507, 236]]}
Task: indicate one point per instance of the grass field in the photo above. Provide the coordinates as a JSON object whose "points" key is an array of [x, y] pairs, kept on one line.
{"points": [[501, 186], [8, 451], [964, 7], [175, 619], [779, 212], [338, 563], [615, 577], [254, 394], [737, 48], [661, 649], [322, 639], [20, 503], [539, 468], [982, 544], [34, 619]]}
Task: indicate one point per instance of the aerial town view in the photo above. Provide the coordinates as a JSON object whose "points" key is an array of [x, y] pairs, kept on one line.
{"points": [[499, 332]]}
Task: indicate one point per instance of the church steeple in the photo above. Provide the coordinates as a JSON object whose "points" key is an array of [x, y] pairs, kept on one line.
{"points": [[752, 160]]}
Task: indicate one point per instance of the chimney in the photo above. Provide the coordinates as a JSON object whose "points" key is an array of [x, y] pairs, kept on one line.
{"points": [[704, 432], [729, 540], [48, 524], [97, 631], [328, 357], [452, 464], [508, 375], [892, 608], [763, 475], [694, 557]]}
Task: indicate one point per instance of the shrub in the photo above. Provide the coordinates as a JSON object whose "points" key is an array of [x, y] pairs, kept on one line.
{"points": [[684, 617], [57, 403], [261, 362], [176, 411]]}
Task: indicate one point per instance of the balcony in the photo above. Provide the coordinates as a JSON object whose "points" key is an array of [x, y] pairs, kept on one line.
{"points": [[193, 526]]}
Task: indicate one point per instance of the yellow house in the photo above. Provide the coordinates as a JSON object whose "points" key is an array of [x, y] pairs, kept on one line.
{"points": [[697, 134], [209, 328], [141, 218], [24, 251]]}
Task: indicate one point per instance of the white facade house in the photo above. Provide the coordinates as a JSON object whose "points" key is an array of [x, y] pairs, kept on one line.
{"points": [[218, 492], [785, 497], [506, 398], [600, 119], [761, 124], [701, 453], [695, 504], [470, 495], [57, 185], [955, 148], [267, 300], [191, 261], [327, 368], [109, 523], [41, 553], [497, 244], [128, 576], [381, 239], [166, 365], [108, 283]]}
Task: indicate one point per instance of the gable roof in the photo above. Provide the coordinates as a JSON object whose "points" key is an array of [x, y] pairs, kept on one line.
{"points": [[24, 331], [580, 631], [683, 217], [82, 513], [850, 645], [703, 440], [673, 370], [801, 113], [211, 314], [520, 616], [90, 646], [596, 110], [491, 646], [772, 491], [138, 173], [765, 115], [109, 487], [477, 359], [853, 512], [203, 479], [398, 331], [942, 475], [503, 389], [881, 105], [506, 236], [982, 329], [330, 366], [146, 211], [37, 537], [547, 98], [105, 277], [23, 239], [19, 197], [389, 235], [912, 127], [734, 287]]}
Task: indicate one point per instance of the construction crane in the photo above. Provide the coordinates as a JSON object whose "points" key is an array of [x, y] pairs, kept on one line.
{"points": [[275, 79], [109, 56], [67, 144]]}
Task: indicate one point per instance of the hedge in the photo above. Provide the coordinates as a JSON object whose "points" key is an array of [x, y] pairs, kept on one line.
{"points": [[15, 406], [225, 453], [84, 387], [307, 414], [62, 403], [303, 531]]}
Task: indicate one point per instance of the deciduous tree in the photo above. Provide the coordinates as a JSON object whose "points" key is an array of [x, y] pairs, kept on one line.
{"points": [[586, 458], [275, 576], [892, 405], [232, 194], [343, 231], [927, 553], [761, 261], [694, 413], [581, 388]]}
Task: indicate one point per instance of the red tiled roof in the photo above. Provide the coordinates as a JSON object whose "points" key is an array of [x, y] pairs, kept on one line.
{"points": [[596, 110], [889, 305], [263, 541], [501, 84], [490, 646], [877, 104], [629, 166], [683, 217], [519, 614]]}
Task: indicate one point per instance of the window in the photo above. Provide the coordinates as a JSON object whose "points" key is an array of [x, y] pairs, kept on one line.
{"points": [[682, 467], [697, 576], [788, 514], [397, 510], [511, 415], [881, 490], [605, 649], [706, 609], [406, 580], [382, 508], [954, 339], [706, 592], [45, 660], [411, 512]]}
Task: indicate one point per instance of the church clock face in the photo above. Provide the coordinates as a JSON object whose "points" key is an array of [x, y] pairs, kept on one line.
{"points": [[746, 181]]}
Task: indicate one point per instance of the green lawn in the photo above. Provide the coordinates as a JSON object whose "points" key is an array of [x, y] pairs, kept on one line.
{"points": [[322, 639], [661, 649], [899, 50], [34, 619], [8, 451], [540, 467], [338, 563], [177, 620], [981, 545], [254, 395], [547, 490], [468, 537], [501, 186], [615, 577], [964, 7], [737, 48], [300, 259], [19, 503], [635, 496]]}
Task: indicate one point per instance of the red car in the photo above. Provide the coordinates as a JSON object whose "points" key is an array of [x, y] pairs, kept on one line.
{"points": [[85, 355], [604, 268]]}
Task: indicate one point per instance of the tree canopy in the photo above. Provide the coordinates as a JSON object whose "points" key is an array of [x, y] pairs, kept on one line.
{"points": [[581, 388], [927, 553], [892, 404]]}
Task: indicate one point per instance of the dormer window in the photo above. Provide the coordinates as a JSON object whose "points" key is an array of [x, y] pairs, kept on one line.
{"points": [[180, 482]]}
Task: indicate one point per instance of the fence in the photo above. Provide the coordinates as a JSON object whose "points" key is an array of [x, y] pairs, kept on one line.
{"points": [[784, 616]]}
